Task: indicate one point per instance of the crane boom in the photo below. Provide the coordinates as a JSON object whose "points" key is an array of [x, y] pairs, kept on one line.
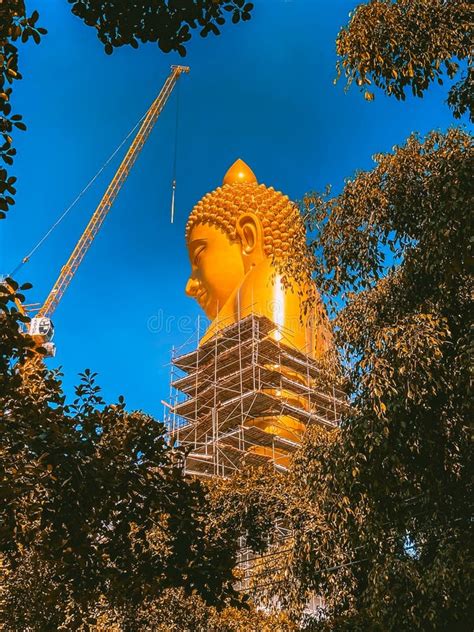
{"points": [[97, 219]]}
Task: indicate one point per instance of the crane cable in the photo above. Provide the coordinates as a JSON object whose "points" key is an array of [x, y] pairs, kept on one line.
{"points": [[173, 186], [76, 200]]}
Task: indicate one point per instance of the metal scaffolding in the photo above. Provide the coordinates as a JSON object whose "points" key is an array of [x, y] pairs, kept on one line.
{"points": [[245, 397]]}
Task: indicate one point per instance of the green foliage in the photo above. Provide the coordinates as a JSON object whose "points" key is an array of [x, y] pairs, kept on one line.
{"points": [[14, 25], [95, 507], [174, 611], [380, 510], [167, 23], [393, 486], [248, 505], [409, 44]]}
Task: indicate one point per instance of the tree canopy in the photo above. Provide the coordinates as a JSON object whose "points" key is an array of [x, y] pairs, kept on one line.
{"points": [[169, 24], [409, 44], [396, 242], [15, 26], [380, 509], [95, 508]]}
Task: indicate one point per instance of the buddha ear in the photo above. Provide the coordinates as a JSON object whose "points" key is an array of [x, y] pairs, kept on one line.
{"points": [[250, 231]]}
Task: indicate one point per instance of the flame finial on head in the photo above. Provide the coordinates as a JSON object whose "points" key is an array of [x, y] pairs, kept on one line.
{"points": [[238, 173]]}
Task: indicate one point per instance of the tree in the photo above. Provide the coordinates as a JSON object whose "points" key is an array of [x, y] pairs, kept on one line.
{"points": [[380, 509], [15, 25], [99, 528], [167, 23], [410, 44], [96, 515], [393, 485]]}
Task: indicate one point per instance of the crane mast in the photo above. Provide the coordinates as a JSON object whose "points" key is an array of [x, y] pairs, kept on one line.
{"points": [[97, 219], [41, 325]]}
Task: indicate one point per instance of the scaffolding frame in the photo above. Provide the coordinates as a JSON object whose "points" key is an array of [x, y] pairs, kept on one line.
{"points": [[245, 373], [219, 390]]}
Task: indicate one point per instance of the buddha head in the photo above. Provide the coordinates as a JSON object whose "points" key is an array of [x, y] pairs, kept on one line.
{"points": [[236, 228]]}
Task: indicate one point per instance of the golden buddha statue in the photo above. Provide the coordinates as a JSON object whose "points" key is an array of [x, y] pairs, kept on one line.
{"points": [[247, 248]]}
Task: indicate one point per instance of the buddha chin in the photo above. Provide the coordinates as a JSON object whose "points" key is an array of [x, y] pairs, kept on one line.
{"points": [[240, 237]]}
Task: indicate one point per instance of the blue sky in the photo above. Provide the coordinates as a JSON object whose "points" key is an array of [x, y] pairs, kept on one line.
{"points": [[263, 91]]}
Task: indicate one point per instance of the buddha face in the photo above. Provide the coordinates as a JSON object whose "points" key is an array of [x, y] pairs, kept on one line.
{"points": [[233, 234], [217, 267]]}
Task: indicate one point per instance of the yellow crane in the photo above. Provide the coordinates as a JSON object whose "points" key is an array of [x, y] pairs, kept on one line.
{"points": [[41, 326]]}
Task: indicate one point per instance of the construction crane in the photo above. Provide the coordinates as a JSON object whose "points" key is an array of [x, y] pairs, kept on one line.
{"points": [[41, 326]]}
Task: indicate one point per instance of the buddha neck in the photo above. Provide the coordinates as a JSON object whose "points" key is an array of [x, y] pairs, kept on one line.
{"points": [[262, 292]]}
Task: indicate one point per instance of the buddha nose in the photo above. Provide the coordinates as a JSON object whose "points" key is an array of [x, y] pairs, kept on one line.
{"points": [[192, 286]]}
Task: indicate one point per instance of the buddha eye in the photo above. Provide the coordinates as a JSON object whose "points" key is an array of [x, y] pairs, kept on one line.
{"points": [[198, 253]]}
